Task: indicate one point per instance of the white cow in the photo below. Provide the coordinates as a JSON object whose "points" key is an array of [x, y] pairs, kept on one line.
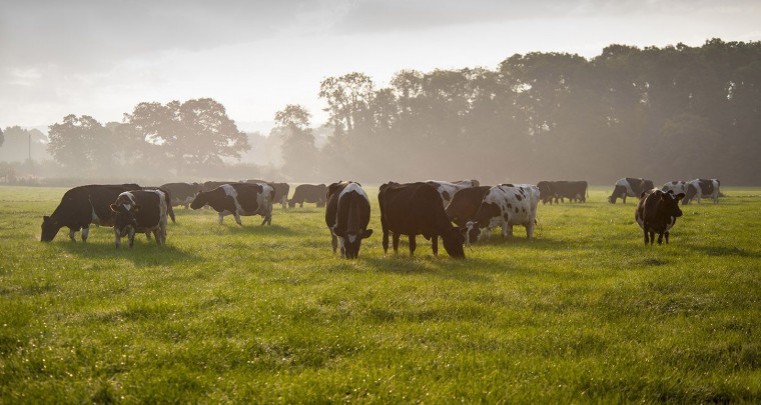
{"points": [[505, 205]]}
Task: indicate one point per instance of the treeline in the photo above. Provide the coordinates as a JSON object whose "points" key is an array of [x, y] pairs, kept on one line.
{"points": [[675, 112]]}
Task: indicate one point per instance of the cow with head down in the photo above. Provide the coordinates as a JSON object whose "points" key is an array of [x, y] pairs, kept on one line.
{"points": [[140, 211], [629, 187], [505, 205], [701, 188], [347, 215], [657, 212], [238, 199]]}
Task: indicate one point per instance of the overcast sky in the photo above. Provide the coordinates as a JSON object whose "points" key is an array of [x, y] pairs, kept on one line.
{"points": [[101, 58]]}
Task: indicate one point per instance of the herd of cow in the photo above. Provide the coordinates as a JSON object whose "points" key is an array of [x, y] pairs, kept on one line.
{"points": [[422, 208]]}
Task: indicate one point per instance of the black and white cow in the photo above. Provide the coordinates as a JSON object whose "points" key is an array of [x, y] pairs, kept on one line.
{"points": [[448, 189], [311, 193], [698, 188], [281, 191], [82, 206], [629, 187], [141, 211], [505, 205], [657, 212], [238, 199], [416, 209], [347, 215], [182, 193], [557, 191], [676, 187]]}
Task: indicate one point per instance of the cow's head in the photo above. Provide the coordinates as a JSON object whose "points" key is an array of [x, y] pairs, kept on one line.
{"points": [[471, 232], [291, 203], [50, 228], [199, 201], [453, 240], [352, 241], [670, 204], [125, 222]]}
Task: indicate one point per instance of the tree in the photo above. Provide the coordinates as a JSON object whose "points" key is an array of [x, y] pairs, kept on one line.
{"points": [[76, 141], [299, 152], [190, 134]]}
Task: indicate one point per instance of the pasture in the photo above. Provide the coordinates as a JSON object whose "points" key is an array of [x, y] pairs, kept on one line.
{"points": [[583, 313]]}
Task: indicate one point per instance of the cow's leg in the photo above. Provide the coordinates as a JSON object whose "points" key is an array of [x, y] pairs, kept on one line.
{"points": [[237, 218], [72, 233], [652, 237], [117, 238], [624, 199], [220, 218], [435, 245], [148, 235], [333, 242], [85, 233], [395, 242], [413, 244], [342, 246], [660, 238], [157, 234], [667, 237], [530, 229], [384, 242], [301, 205], [508, 230], [487, 233], [131, 237]]}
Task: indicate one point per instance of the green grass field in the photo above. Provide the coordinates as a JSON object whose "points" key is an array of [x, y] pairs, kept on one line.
{"points": [[582, 313]]}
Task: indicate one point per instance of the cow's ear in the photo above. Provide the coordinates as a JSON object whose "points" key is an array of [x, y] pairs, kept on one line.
{"points": [[114, 208], [366, 234], [137, 208], [679, 196]]}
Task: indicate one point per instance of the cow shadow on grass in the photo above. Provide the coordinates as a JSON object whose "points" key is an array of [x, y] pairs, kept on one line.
{"points": [[424, 263], [144, 253], [726, 251], [520, 241], [261, 230]]}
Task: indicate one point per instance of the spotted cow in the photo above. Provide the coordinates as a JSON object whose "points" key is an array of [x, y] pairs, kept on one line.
{"points": [[698, 188], [142, 211], [347, 215], [238, 199], [505, 205], [629, 187]]}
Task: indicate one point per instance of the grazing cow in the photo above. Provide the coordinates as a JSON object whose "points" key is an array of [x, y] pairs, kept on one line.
{"points": [[448, 189], [347, 215], [211, 185], [142, 211], [557, 191], [702, 188], [238, 199], [311, 193], [676, 186], [657, 211], [82, 206], [505, 205], [182, 193], [465, 204], [281, 191], [413, 209], [629, 187]]}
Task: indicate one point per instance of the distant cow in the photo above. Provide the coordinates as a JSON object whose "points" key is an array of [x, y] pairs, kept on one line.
{"points": [[702, 188], [141, 211], [281, 191], [505, 205], [238, 199], [182, 193], [629, 187], [676, 187], [82, 206], [557, 191], [347, 215], [211, 185], [415, 209], [657, 212], [465, 204], [448, 189], [310, 193]]}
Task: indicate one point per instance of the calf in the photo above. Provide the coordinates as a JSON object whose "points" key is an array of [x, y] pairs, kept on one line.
{"points": [[82, 206], [311, 193], [657, 211], [281, 191], [702, 188], [347, 215], [415, 209], [141, 211], [629, 187], [505, 205], [465, 204], [448, 189], [238, 199], [181, 193]]}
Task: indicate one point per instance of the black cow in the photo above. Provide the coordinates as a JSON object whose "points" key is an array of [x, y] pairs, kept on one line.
{"points": [[310, 193], [347, 215], [182, 193], [557, 191], [657, 212], [141, 211], [413, 209], [281, 191], [465, 204], [82, 206], [630, 187], [238, 199]]}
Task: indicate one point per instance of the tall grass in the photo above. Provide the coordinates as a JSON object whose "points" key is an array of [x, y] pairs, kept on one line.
{"points": [[583, 312]]}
